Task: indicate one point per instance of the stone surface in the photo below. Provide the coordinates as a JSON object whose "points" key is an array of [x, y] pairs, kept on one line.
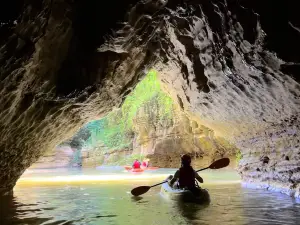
{"points": [[53, 78], [271, 158], [232, 65], [97, 157], [164, 141], [61, 156], [160, 131]]}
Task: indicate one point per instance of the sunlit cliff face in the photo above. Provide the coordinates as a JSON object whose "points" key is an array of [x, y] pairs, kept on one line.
{"points": [[231, 66]]}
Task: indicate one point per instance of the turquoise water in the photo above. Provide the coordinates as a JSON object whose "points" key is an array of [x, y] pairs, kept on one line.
{"points": [[102, 196]]}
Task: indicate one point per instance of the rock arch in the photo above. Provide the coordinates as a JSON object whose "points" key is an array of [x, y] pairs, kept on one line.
{"points": [[233, 70]]}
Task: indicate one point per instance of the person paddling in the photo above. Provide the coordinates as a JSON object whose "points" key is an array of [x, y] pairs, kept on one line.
{"points": [[220, 163], [145, 163], [186, 176], [136, 164]]}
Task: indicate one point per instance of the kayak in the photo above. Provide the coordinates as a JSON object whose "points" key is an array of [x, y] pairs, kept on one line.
{"points": [[134, 170], [184, 195], [128, 167], [151, 168], [142, 168]]}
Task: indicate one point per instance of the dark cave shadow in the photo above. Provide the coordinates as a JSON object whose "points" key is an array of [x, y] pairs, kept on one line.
{"points": [[10, 209]]}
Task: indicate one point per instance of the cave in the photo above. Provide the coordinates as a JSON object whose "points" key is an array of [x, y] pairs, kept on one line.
{"points": [[148, 125], [231, 66]]}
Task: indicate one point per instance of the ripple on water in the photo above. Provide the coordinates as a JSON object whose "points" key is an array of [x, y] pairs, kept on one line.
{"points": [[111, 203]]}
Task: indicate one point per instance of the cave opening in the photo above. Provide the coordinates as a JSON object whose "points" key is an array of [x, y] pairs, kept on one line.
{"points": [[224, 83], [149, 124]]}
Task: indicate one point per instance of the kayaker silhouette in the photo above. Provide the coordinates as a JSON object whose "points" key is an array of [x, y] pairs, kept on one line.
{"points": [[186, 176], [136, 164]]}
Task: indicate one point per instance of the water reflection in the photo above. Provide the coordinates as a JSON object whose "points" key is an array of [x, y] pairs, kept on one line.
{"points": [[110, 202], [13, 212], [274, 210], [190, 211], [136, 198]]}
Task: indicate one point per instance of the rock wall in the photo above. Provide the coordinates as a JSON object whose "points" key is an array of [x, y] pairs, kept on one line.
{"points": [[159, 130], [92, 159], [163, 141], [53, 78], [61, 156], [233, 65], [246, 89], [271, 158]]}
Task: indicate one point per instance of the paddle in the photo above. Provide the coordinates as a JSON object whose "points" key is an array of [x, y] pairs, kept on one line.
{"points": [[221, 163]]}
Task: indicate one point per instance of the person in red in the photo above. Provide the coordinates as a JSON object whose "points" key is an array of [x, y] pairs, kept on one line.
{"points": [[186, 176], [136, 164], [145, 163]]}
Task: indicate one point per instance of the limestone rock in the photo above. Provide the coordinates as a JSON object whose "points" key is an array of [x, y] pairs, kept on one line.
{"points": [[163, 141], [233, 65], [62, 156], [271, 158]]}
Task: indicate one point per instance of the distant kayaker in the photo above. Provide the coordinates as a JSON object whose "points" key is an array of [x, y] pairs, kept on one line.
{"points": [[136, 164], [145, 163], [186, 175]]}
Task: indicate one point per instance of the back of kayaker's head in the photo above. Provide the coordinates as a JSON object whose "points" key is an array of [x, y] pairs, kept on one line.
{"points": [[186, 160]]}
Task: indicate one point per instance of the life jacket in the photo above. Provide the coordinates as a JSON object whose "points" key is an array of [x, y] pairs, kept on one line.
{"points": [[186, 177], [144, 164], [136, 165]]}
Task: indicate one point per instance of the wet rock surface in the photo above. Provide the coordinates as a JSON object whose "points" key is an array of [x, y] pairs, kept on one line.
{"points": [[233, 66], [271, 159]]}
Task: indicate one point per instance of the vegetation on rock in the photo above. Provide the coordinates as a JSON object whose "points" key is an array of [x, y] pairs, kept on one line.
{"points": [[116, 130], [148, 121], [239, 156]]}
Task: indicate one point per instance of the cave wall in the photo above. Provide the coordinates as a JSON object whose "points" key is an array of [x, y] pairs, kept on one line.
{"points": [[155, 127], [240, 78], [164, 140], [54, 78], [271, 158], [60, 157], [233, 65]]}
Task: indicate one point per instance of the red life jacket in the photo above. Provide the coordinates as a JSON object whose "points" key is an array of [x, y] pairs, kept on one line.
{"points": [[144, 164], [186, 177], [136, 165]]}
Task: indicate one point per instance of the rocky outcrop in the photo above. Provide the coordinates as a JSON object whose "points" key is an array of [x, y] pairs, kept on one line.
{"points": [[94, 158], [232, 65], [67, 154], [61, 156], [156, 128], [164, 140], [271, 158], [160, 133], [53, 79]]}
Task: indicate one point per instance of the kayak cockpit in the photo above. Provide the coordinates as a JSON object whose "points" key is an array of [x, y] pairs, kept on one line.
{"points": [[184, 195]]}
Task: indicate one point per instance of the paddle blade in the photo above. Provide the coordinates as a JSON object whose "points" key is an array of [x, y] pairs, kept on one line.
{"points": [[221, 163], [140, 190]]}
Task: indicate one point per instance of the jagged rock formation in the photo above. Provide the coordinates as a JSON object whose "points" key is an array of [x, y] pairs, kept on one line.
{"points": [[163, 141], [53, 79], [231, 65], [271, 158]]}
